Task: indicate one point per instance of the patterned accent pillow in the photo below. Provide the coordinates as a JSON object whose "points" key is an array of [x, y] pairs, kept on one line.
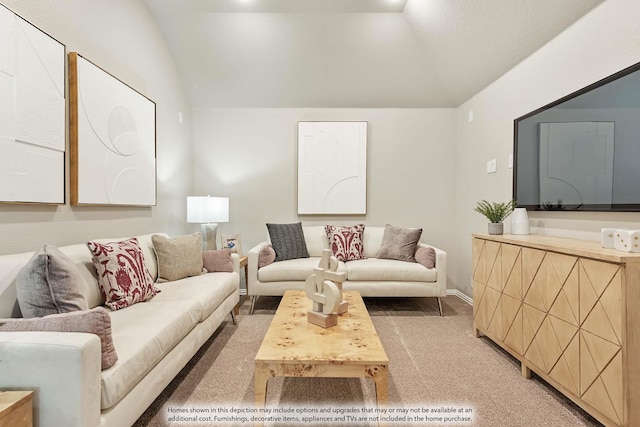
{"points": [[288, 241], [95, 321], [266, 256], [426, 256], [346, 243], [217, 260], [399, 243], [123, 277], [50, 283]]}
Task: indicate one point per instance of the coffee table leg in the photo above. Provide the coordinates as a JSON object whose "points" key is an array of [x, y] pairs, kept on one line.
{"points": [[261, 378], [380, 375]]}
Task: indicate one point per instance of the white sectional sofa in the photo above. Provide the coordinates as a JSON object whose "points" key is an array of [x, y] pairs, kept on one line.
{"points": [[372, 277], [153, 340]]}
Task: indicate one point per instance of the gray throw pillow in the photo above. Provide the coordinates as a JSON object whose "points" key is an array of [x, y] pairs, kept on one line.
{"points": [[399, 243], [178, 257], [96, 321], [50, 283], [287, 241]]}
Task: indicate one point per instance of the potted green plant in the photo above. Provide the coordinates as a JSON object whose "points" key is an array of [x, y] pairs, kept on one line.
{"points": [[496, 212]]}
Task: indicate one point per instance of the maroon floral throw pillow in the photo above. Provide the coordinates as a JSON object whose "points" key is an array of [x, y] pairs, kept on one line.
{"points": [[346, 242], [124, 279]]}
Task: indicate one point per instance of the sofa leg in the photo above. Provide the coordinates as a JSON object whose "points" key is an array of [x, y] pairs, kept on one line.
{"points": [[253, 303], [233, 317], [440, 307]]}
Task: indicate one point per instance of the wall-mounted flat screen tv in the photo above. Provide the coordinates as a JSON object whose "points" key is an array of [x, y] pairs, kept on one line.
{"points": [[582, 152]]}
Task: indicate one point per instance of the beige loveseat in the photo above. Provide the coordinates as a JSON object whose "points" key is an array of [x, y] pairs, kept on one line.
{"points": [[153, 340], [371, 276]]}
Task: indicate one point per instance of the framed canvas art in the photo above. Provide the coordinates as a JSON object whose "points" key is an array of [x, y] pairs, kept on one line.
{"points": [[332, 168], [112, 139], [32, 113]]}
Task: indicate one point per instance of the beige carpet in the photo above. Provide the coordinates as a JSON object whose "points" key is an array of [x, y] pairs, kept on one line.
{"points": [[434, 361]]}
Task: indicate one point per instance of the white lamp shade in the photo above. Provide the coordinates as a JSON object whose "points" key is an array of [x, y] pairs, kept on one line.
{"points": [[204, 209]]}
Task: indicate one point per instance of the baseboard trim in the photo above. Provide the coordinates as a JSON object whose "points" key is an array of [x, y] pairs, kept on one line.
{"points": [[463, 297]]}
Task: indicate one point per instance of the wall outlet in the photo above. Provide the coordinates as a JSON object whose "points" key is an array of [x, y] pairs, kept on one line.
{"points": [[491, 166], [180, 118], [470, 116]]}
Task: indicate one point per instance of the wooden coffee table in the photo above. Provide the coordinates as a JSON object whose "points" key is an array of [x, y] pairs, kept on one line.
{"points": [[294, 347]]}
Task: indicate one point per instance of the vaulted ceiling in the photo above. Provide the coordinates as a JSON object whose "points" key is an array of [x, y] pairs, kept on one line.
{"points": [[353, 53]]}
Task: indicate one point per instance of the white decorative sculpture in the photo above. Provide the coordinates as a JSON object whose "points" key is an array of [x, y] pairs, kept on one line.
{"points": [[324, 288], [627, 240], [621, 239], [329, 263], [607, 238]]}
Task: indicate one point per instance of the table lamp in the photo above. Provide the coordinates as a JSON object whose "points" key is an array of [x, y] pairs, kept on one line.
{"points": [[208, 212]]}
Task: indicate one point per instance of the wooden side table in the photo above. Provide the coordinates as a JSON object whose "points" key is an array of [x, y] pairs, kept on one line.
{"points": [[16, 408], [244, 262]]}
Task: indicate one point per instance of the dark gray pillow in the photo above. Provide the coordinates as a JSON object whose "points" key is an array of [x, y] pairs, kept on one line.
{"points": [[50, 283], [288, 241], [399, 243]]}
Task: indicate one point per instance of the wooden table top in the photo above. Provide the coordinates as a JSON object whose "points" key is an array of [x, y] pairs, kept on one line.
{"points": [[291, 339]]}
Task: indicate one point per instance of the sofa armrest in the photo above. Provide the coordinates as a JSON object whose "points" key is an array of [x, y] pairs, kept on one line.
{"points": [[235, 259], [62, 368], [252, 265], [441, 269]]}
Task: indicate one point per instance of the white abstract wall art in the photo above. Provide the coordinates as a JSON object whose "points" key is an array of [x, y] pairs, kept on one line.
{"points": [[332, 168], [32, 113], [112, 139]]}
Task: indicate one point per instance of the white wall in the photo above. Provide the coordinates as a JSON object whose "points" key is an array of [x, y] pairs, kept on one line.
{"points": [[250, 155], [121, 37], [603, 42]]}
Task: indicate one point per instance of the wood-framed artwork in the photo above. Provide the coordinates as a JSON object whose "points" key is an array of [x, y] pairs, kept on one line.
{"points": [[112, 139], [32, 113], [232, 242], [332, 168]]}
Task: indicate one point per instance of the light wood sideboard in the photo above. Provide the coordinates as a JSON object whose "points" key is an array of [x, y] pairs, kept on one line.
{"points": [[568, 310], [16, 409]]}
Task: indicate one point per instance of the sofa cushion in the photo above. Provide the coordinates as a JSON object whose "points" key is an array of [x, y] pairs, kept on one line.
{"points": [[95, 321], [426, 256], [372, 240], [346, 243], [143, 334], [399, 243], [217, 261], [316, 240], [208, 291], [123, 277], [178, 257], [288, 241], [292, 270], [50, 283], [376, 269]]}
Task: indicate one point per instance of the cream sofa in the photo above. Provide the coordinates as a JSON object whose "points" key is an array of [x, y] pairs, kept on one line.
{"points": [[372, 277], [153, 340]]}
